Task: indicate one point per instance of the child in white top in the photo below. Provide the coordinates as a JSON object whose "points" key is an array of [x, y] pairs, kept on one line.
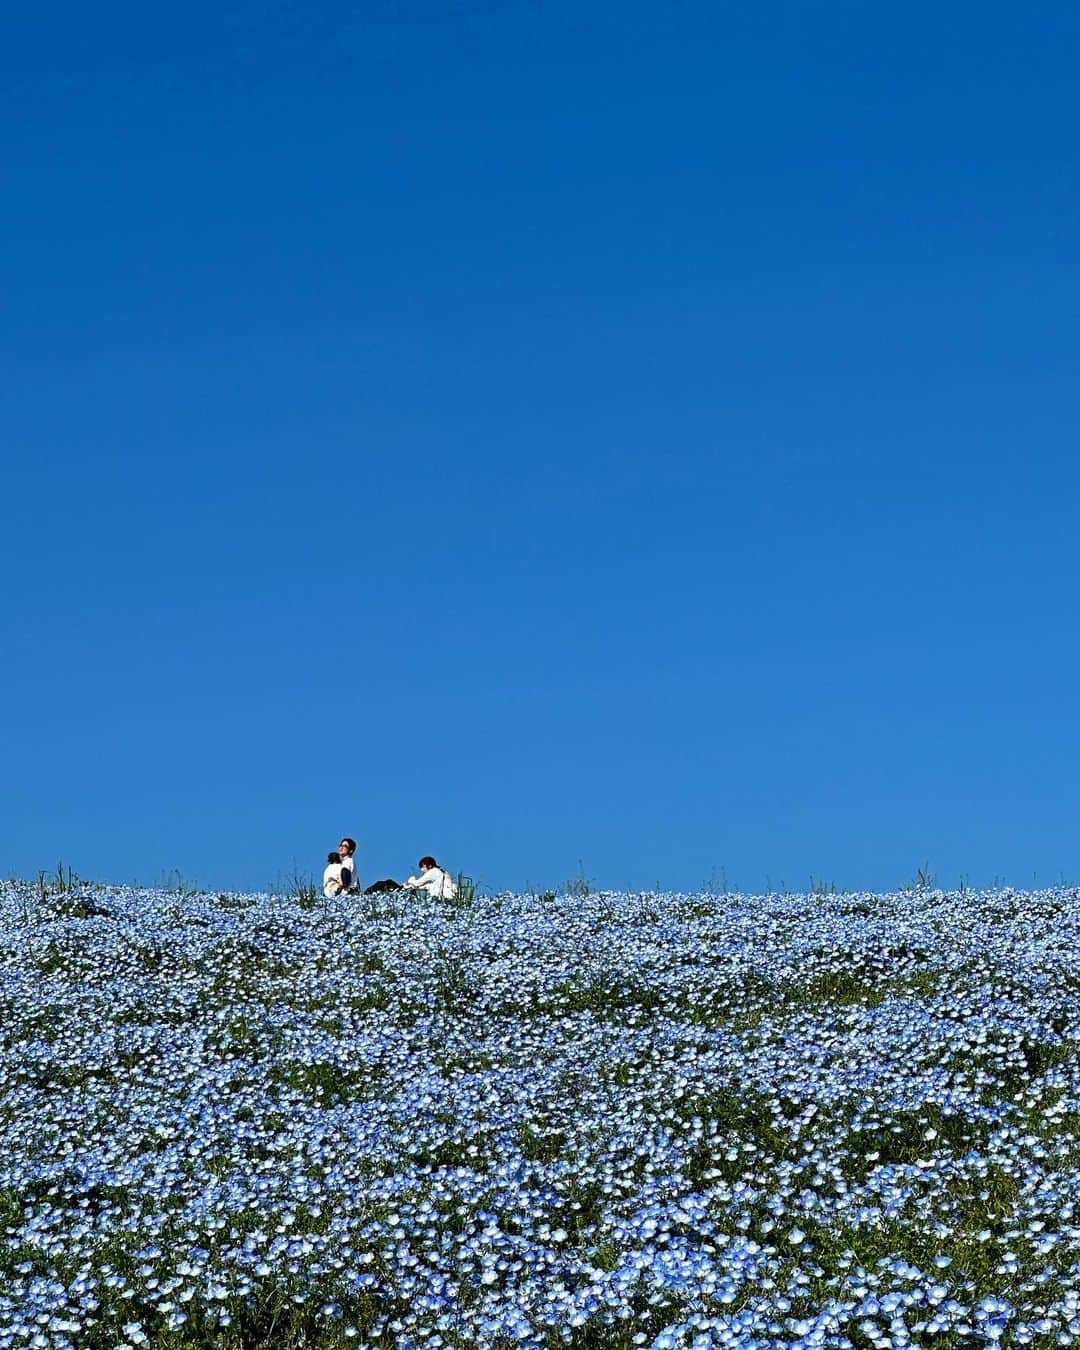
{"points": [[331, 878]]}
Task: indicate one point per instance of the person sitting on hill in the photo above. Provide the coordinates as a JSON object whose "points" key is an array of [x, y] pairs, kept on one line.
{"points": [[432, 879], [331, 878]]}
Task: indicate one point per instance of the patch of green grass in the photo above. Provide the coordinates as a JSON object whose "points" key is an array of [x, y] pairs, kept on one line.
{"points": [[327, 1083], [853, 985], [61, 1076], [604, 995], [922, 983], [22, 1254], [453, 992], [688, 911], [232, 903], [269, 1320], [742, 1128], [580, 1208], [44, 1022], [579, 886], [1051, 1124], [1041, 1056], [78, 907], [619, 1074], [741, 1002], [901, 1137], [304, 889], [1012, 1068], [376, 998], [243, 1037], [970, 1206], [11, 1209], [452, 1063], [466, 892], [52, 959], [540, 1145], [837, 988], [606, 1256], [451, 1152], [754, 998], [152, 958]]}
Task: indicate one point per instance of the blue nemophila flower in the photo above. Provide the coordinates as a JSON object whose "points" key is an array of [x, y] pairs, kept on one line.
{"points": [[720, 1120]]}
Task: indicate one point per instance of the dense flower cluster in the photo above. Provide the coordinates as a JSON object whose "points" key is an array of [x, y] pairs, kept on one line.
{"points": [[585, 1120]]}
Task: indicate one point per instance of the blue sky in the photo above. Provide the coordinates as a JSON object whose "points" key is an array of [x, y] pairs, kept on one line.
{"points": [[544, 435]]}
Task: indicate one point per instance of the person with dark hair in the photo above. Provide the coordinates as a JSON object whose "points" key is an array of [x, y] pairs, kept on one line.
{"points": [[350, 877], [432, 879], [331, 878]]}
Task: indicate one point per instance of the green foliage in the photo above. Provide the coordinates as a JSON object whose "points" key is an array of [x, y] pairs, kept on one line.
{"points": [[970, 1207], [376, 998], [173, 880], [924, 879], [900, 1136], [10, 1208], [305, 890], [65, 883], [605, 994], [841, 988], [65, 893], [540, 1145], [466, 891], [53, 958], [581, 1209], [243, 1038], [716, 885], [328, 1083], [619, 1073], [739, 1126], [580, 886], [452, 989]]}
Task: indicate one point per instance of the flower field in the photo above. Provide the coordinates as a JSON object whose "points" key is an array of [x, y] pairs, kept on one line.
{"points": [[539, 1121]]}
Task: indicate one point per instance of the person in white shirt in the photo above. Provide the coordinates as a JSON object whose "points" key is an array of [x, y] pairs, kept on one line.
{"points": [[331, 878], [432, 879]]}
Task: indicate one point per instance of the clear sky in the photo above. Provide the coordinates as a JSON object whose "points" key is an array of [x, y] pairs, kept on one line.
{"points": [[541, 433]]}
